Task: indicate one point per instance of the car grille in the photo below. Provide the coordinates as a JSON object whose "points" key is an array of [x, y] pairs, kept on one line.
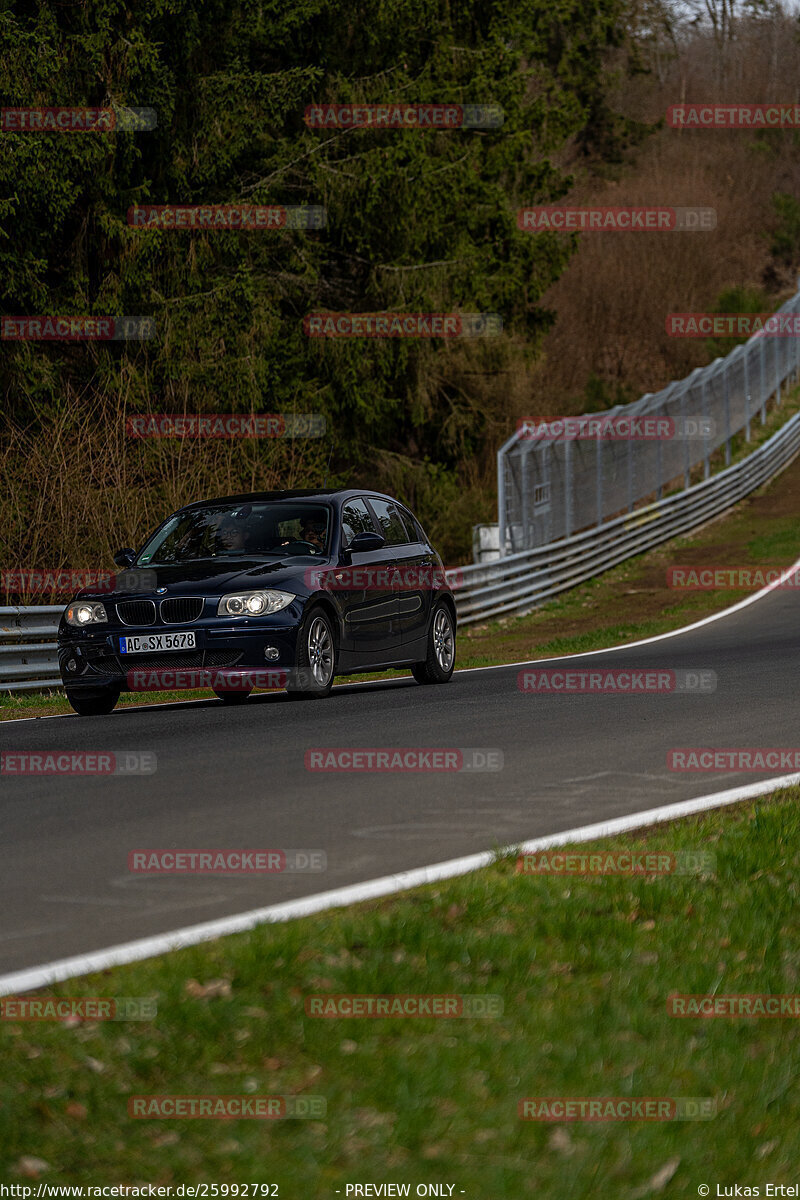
{"points": [[113, 664], [181, 610], [137, 612]]}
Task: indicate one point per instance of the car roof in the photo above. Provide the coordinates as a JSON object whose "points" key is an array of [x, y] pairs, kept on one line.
{"points": [[323, 494]]}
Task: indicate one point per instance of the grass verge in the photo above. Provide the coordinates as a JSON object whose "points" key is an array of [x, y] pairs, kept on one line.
{"points": [[584, 966]]}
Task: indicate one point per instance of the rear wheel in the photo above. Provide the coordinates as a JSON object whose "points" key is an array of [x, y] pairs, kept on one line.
{"points": [[441, 657], [93, 704], [231, 695], [312, 677]]}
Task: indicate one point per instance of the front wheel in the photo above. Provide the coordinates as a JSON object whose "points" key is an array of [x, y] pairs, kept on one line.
{"points": [[97, 704], [312, 677], [441, 657]]}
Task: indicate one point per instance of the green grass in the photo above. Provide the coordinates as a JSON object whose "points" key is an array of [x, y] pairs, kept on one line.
{"points": [[584, 967]]}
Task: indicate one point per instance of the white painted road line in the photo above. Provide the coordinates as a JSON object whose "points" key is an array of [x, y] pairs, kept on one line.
{"points": [[291, 910]]}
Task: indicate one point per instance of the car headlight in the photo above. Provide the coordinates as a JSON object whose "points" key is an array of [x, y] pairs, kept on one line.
{"points": [[85, 612], [253, 604]]}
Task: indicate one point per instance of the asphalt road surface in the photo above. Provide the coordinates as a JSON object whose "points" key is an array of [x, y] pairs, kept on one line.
{"points": [[237, 778]]}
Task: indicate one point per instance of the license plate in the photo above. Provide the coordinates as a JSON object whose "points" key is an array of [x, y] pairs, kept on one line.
{"points": [[145, 643]]}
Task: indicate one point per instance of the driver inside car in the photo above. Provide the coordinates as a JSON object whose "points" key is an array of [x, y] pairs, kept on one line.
{"points": [[313, 532]]}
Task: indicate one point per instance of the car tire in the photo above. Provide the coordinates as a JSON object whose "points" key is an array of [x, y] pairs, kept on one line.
{"points": [[232, 695], [315, 665], [97, 704], [441, 658]]}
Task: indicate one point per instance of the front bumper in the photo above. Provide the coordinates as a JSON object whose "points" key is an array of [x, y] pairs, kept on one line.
{"points": [[91, 659]]}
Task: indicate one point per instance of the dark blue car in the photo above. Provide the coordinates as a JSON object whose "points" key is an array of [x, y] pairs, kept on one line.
{"points": [[275, 588]]}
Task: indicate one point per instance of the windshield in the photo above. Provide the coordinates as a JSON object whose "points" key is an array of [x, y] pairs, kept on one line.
{"points": [[235, 531]]}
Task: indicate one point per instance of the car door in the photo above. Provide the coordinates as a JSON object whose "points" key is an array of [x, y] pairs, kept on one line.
{"points": [[365, 590], [416, 564]]}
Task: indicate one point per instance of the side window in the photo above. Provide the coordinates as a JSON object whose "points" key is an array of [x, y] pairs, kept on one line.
{"points": [[412, 528], [355, 519], [391, 526]]}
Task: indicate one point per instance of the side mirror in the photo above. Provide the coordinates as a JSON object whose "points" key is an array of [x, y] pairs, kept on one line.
{"points": [[125, 558], [367, 541]]}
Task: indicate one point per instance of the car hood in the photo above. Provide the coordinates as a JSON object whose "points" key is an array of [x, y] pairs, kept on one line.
{"points": [[207, 578]]}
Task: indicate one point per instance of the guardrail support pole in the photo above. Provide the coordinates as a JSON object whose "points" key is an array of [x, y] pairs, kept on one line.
{"points": [[746, 398], [777, 375], [763, 383], [599, 463], [567, 487], [706, 434], [687, 461], [727, 402]]}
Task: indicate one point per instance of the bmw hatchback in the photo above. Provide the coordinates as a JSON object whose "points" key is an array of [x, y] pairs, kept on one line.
{"points": [[286, 589]]}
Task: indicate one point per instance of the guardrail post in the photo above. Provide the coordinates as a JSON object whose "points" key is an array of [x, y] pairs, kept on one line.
{"points": [[599, 462], [567, 487], [687, 461], [727, 402], [526, 513], [501, 501], [746, 397], [777, 375], [659, 470], [706, 435], [630, 474], [761, 353]]}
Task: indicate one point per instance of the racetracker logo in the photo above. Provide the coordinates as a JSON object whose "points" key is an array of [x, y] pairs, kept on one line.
{"points": [[734, 325], [403, 116], [747, 1004], [617, 1108], [226, 1108], [402, 325], [545, 218], [225, 862], [73, 1009], [190, 680], [614, 429], [58, 762], [620, 681], [356, 579], [76, 120], [221, 217], [711, 758], [226, 425], [737, 579], [396, 1005], [76, 329], [23, 582], [620, 862], [734, 116], [416, 758]]}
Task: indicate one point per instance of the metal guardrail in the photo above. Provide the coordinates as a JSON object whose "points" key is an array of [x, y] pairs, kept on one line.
{"points": [[28, 660], [514, 584], [522, 581]]}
